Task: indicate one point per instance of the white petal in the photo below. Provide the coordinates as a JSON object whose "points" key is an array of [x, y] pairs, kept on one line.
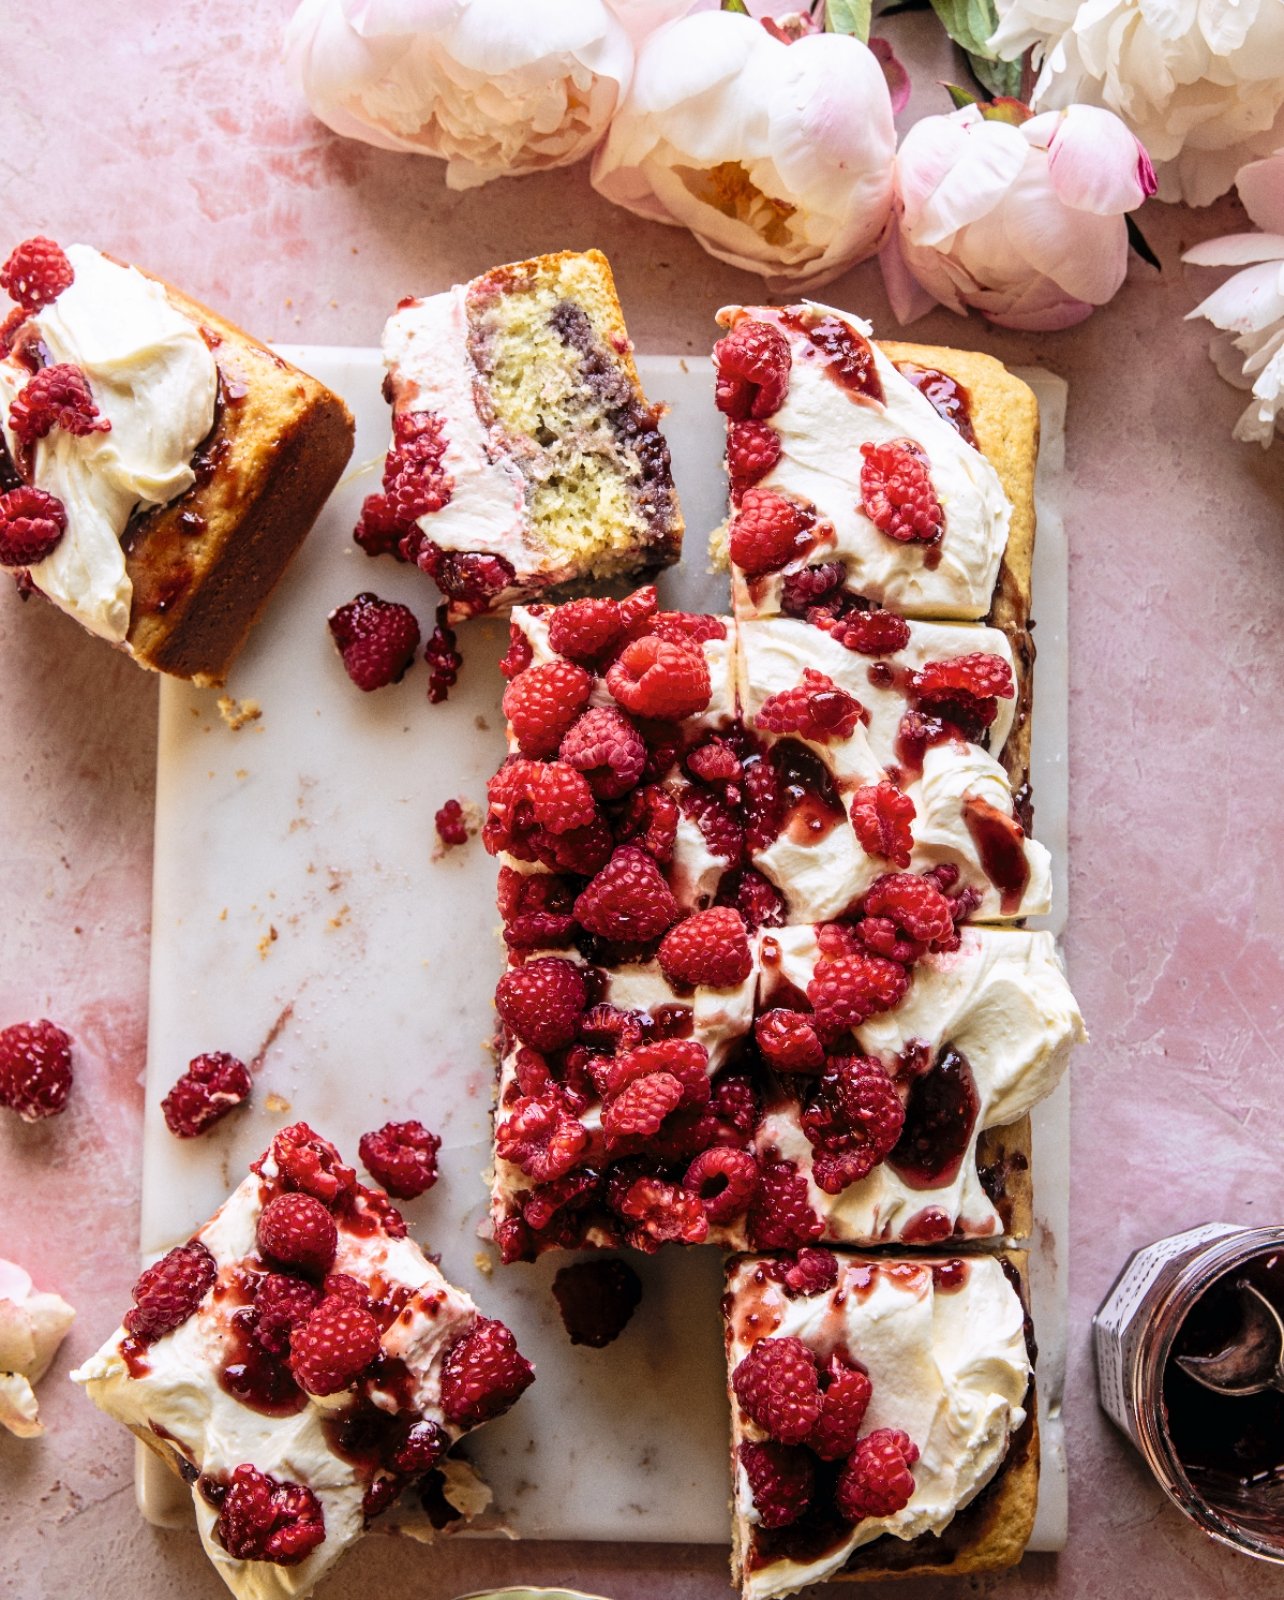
{"points": [[1245, 303], [1084, 254], [1236, 250], [1261, 188], [18, 1410], [950, 172]]}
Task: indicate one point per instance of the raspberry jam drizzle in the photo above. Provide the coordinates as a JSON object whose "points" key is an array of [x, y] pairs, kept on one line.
{"points": [[947, 397], [940, 1115], [1000, 845], [846, 356], [810, 803]]}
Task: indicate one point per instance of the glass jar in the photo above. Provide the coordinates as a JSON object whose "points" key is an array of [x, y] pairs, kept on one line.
{"points": [[1133, 1332]]}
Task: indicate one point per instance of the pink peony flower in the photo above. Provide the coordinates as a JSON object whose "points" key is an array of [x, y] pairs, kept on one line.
{"points": [[1020, 217]]}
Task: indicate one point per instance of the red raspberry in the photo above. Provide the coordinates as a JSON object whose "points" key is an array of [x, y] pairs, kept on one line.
{"points": [[541, 1137], [662, 1213], [725, 1181], [471, 578], [169, 1292], [649, 819], [10, 327], [342, 1286], [35, 1069], [781, 1216], [402, 1156], [877, 1481], [56, 397], [279, 1303], [378, 532], [781, 1481], [687, 1060], [758, 901], [660, 678], [606, 747], [419, 1447], [846, 992], [854, 1121], [444, 660], [334, 1346], [714, 761], [212, 1086], [451, 825], [817, 709], [752, 363], [778, 1388], [32, 524], [842, 1410], [915, 905], [297, 1231], [718, 824], [871, 633], [811, 1272], [734, 1101], [309, 1163], [414, 480], [482, 1374], [628, 900], [581, 850], [764, 804], [882, 817], [977, 681], [639, 1110], [548, 1202], [376, 638], [519, 655], [265, 1519], [896, 492], [788, 1041], [768, 532], [609, 1029], [536, 908], [542, 1002], [753, 448], [635, 608], [36, 273], [561, 797], [681, 627], [542, 703], [596, 1299], [708, 948], [809, 587], [584, 630]]}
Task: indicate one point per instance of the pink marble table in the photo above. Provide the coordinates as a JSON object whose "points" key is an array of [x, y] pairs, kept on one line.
{"points": [[165, 131]]}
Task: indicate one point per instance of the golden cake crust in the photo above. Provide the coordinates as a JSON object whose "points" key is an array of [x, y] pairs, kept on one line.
{"points": [[204, 565]]}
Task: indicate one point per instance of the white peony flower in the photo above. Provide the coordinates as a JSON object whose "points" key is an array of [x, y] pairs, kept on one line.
{"points": [[1018, 217], [1200, 82], [488, 86], [778, 157], [32, 1326], [1249, 307]]}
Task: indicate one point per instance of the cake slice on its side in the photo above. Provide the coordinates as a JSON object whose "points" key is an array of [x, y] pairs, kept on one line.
{"points": [[524, 453], [299, 1362], [883, 1417], [160, 467]]}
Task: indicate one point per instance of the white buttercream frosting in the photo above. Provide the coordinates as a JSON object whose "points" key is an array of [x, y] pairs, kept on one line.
{"points": [[153, 378], [948, 1367], [1001, 999], [822, 427], [32, 1326], [179, 1395]]}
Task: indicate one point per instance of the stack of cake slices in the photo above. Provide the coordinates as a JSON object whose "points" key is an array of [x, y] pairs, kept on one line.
{"points": [[763, 879]]}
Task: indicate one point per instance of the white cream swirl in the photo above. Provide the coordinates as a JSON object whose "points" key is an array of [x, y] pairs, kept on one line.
{"points": [[153, 378]]}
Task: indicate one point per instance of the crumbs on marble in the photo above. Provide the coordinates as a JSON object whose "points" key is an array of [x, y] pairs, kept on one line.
{"points": [[268, 940], [480, 723], [276, 1104], [485, 1263], [340, 916], [222, 916], [236, 713]]}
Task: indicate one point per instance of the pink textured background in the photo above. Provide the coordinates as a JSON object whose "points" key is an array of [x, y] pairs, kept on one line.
{"points": [[165, 131]]}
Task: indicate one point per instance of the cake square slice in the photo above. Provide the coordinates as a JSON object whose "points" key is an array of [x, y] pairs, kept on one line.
{"points": [[892, 476], [299, 1362], [913, 1128], [876, 758], [883, 1416], [179, 462], [524, 452]]}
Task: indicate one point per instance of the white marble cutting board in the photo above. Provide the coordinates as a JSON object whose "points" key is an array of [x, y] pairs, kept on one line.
{"points": [[300, 922]]}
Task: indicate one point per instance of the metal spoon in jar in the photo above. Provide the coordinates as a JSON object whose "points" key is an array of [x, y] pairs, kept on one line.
{"points": [[1253, 1359]]}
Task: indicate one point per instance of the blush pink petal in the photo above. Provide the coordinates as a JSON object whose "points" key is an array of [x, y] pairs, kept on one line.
{"points": [[950, 172], [1093, 162], [1261, 188]]}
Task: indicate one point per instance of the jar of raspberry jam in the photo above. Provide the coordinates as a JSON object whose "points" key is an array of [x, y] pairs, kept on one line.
{"points": [[1218, 1457]]}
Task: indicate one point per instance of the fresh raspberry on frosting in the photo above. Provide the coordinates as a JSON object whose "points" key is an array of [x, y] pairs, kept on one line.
{"points": [[334, 1346], [596, 1300], [296, 1230], [734, 1101], [536, 908], [483, 1374], [810, 1272], [877, 1481], [752, 365], [781, 1216], [816, 709], [36, 273], [608, 749], [471, 577], [402, 1156], [846, 992], [803, 592], [637, 1113], [419, 1448], [757, 899], [662, 1213], [265, 1519], [519, 655], [778, 1387], [718, 822], [663, 678], [714, 761], [308, 1163], [709, 948], [788, 1041], [914, 905], [542, 1002], [687, 1060], [540, 1136], [379, 530], [883, 821], [725, 1180], [628, 900], [213, 1085], [56, 397], [768, 532], [281, 1301], [681, 627], [781, 1481], [870, 633], [561, 797], [980, 680], [844, 1402], [543, 702], [853, 1120], [35, 1069], [585, 630], [896, 492], [169, 1292], [32, 524], [635, 608], [414, 479], [376, 638], [753, 448]]}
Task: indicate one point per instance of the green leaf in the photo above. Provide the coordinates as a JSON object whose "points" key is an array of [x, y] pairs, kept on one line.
{"points": [[961, 97], [968, 22], [1137, 239], [1001, 78], [849, 16], [738, 6]]}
